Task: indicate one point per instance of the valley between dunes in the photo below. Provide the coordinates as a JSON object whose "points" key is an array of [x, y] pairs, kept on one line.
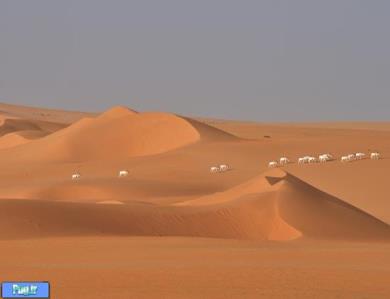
{"points": [[297, 231]]}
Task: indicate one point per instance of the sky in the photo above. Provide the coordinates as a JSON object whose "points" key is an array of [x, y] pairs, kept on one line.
{"points": [[271, 60]]}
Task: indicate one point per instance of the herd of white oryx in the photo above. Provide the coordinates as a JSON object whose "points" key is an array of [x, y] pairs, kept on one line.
{"points": [[282, 161], [306, 160], [324, 158], [220, 168]]}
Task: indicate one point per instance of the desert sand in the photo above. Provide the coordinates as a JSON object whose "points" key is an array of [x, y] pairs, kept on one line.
{"points": [[173, 229]]}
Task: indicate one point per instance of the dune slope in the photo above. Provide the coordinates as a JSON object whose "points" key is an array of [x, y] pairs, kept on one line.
{"points": [[323, 216]]}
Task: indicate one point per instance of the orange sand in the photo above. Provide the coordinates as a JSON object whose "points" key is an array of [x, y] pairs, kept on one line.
{"points": [[172, 229]]}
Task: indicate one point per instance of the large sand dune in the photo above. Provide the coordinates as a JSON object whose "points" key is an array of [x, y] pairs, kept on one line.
{"points": [[119, 133]]}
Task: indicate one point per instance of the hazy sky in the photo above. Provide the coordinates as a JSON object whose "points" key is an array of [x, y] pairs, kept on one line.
{"points": [[258, 60]]}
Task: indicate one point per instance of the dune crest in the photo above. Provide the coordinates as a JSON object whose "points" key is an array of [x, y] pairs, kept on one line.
{"points": [[116, 112]]}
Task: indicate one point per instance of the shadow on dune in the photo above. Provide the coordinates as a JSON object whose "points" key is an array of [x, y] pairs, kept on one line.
{"points": [[321, 215], [22, 125]]}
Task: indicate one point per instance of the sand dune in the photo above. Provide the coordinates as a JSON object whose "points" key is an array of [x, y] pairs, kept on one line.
{"points": [[117, 134], [303, 207], [42, 114], [33, 219], [259, 184], [13, 125], [15, 131], [282, 208]]}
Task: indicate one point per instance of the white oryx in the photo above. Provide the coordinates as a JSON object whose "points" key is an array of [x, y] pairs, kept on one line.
{"points": [[273, 164], [303, 160], [330, 157], [325, 157], [214, 169], [123, 173], [284, 161], [351, 157], [76, 176], [306, 159], [224, 167], [360, 156], [347, 158], [375, 156]]}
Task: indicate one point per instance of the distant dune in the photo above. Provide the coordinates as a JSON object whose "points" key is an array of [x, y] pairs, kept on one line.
{"points": [[118, 134], [16, 131], [12, 125], [41, 114]]}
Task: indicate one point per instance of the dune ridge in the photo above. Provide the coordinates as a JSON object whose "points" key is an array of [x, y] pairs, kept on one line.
{"points": [[116, 112]]}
